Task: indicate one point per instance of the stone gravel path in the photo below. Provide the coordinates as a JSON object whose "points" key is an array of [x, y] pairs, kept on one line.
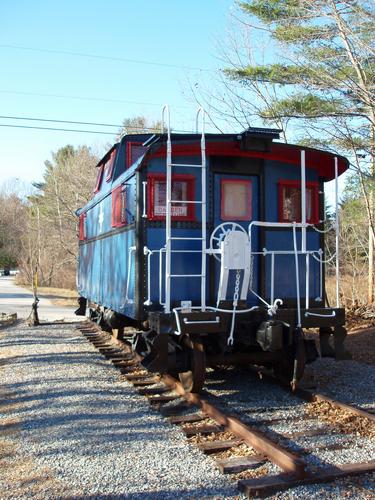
{"points": [[72, 429]]}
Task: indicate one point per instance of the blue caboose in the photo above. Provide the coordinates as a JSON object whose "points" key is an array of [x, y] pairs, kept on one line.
{"points": [[211, 246]]}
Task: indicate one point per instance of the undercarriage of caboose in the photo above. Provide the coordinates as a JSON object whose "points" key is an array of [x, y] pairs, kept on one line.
{"points": [[182, 337]]}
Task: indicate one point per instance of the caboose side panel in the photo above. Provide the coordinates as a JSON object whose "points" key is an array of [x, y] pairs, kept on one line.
{"points": [[281, 178], [106, 271], [186, 221]]}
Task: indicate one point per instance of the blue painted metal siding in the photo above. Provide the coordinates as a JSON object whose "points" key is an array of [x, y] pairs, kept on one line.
{"points": [[285, 281], [104, 258], [182, 263], [103, 262]]}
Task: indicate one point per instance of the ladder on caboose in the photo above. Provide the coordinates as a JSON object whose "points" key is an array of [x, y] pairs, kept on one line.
{"points": [[169, 238]]}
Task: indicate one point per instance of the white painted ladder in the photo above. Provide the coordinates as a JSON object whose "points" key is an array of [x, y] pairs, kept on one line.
{"points": [[169, 238]]}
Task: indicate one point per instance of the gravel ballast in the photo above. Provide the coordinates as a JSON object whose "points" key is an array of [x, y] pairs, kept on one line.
{"points": [[254, 400], [73, 428], [76, 429]]}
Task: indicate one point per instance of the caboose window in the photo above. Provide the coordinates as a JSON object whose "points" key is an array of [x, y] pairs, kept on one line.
{"points": [[134, 150], [108, 166], [182, 190], [99, 178], [119, 217], [82, 227], [236, 199], [290, 201]]}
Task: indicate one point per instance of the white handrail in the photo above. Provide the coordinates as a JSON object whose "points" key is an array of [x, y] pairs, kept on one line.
{"points": [[297, 277], [303, 200], [148, 253], [127, 300], [337, 234], [202, 112], [144, 188]]}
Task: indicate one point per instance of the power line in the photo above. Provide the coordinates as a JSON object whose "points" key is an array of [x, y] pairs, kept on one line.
{"points": [[59, 129], [83, 98], [60, 121], [83, 131], [108, 58]]}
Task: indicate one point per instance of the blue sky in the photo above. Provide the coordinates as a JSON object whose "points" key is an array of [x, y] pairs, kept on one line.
{"points": [[42, 78]]}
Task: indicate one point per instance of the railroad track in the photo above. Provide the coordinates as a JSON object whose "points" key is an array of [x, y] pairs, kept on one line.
{"points": [[237, 445]]}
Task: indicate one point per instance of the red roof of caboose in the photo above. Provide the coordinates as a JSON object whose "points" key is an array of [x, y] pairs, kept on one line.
{"points": [[323, 161]]}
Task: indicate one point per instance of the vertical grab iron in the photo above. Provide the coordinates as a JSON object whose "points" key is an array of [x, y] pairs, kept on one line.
{"points": [[168, 215]]}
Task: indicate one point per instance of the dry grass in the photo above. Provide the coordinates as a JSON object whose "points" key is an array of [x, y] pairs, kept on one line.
{"points": [[352, 291], [347, 422], [59, 296]]}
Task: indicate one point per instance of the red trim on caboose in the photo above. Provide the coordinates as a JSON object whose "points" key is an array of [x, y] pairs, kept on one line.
{"points": [[314, 219], [322, 161], [99, 179], [109, 165], [119, 203], [82, 227], [151, 184]]}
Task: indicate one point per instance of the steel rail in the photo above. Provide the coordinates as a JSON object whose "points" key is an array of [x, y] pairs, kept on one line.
{"points": [[293, 466], [253, 437]]}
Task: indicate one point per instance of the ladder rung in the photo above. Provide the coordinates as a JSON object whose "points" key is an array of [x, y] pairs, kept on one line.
{"points": [[188, 165], [183, 238], [186, 276], [186, 201]]}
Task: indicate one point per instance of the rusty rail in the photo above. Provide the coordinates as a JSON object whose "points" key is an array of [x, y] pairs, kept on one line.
{"points": [[293, 465]]}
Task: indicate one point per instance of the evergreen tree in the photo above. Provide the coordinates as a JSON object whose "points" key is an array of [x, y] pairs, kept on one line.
{"points": [[320, 72]]}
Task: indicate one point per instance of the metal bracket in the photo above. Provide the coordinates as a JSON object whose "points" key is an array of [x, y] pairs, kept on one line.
{"points": [[332, 315], [215, 321]]}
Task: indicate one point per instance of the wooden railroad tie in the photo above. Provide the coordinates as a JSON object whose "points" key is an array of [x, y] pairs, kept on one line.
{"points": [[154, 400], [209, 447], [145, 381], [202, 429], [152, 391], [267, 485], [184, 419], [234, 465], [135, 376], [169, 411]]}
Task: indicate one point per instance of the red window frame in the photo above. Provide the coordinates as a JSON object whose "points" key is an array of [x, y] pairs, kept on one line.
{"points": [[99, 179], [82, 227], [130, 145], [249, 211], [119, 204], [152, 179], [109, 164], [313, 186]]}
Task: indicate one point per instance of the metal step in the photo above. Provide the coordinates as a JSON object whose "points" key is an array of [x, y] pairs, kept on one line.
{"points": [[186, 276], [185, 238], [187, 165], [199, 202]]}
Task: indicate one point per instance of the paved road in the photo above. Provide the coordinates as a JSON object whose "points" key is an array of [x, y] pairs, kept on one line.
{"points": [[14, 298]]}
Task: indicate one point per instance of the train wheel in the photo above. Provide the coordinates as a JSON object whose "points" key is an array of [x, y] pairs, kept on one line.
{"points": [[193, 380]]}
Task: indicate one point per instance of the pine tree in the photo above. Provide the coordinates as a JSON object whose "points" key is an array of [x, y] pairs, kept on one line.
{"points": [[321, 66]]}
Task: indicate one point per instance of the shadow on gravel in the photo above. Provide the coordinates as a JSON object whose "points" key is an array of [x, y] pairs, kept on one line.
{"points": [[176, 494], [33, 341], [15, 296]]}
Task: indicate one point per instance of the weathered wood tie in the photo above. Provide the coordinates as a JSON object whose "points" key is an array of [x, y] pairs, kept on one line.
{"points": [[234, 465], [288, 461], [270, 484]]}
